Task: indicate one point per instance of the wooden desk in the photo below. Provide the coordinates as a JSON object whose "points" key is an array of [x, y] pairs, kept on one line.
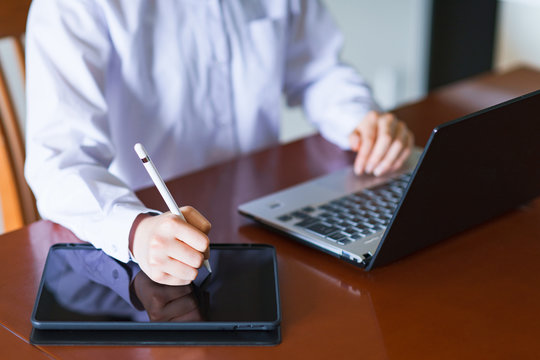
{"points": [[475, 295], [13, 347]]}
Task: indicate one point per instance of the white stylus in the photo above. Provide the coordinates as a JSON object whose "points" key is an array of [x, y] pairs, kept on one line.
{"points": [[162, 188]]}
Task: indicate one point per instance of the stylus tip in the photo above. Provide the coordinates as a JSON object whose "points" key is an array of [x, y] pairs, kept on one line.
{"points": [[207, 266]]}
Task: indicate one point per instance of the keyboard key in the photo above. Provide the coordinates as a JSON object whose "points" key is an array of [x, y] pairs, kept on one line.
{"points": [[336, 236], [285, 217], [307, 222], [359, 214], [326, 207], [371, 207], [300, 215], [349, 230], [358, 237], [386, 216], [326, 215], [321, 229]]}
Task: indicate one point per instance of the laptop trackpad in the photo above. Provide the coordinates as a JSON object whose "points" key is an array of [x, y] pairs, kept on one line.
{"points": [[346, 182]]}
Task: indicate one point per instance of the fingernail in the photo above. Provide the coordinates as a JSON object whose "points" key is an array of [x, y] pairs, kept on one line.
{"points": [[377, 171], [369, 168], [359, 168]]}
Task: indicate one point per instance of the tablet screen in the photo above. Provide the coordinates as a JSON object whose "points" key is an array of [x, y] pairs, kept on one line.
{"points": [[83, 288]]}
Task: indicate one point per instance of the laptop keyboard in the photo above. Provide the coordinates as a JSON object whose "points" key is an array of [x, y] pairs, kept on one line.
{"points": [[352, 217]]}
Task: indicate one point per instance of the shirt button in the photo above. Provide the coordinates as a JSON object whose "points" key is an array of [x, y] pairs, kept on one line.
{"points": [[115, 274]]}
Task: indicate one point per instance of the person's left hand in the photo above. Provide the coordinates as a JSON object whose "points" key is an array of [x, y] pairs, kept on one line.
{"points": [[383, 144]]}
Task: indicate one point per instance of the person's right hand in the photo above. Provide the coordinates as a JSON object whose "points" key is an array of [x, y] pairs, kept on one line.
{"points": [[169, 250], [166, 303]]}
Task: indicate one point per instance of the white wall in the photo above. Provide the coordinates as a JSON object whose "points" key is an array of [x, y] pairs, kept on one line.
{"points": [[518, 35], [387, 42]]}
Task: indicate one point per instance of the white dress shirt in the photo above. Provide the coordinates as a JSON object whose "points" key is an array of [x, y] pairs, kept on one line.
{"points": [[196, 81]]}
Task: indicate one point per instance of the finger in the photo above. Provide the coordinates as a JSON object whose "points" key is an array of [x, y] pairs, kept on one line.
{"points": [[179, 307], [184, 253], [196, 219], [161, 295], [194, 315], [366, 146], [164, 294], [395, 149], [405, 153], [354, 140], [172, 226], [167, 279], [162, 248], [187, 233], [166, 270], [195, 239], [368, 131], [386, 127], [180, 270]]}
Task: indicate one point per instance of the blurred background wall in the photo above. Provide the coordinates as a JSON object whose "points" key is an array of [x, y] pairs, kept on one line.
{"points": [[389, 42]]}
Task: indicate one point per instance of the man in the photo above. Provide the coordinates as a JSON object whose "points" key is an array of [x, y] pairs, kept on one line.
{"points": [[197, 82]]}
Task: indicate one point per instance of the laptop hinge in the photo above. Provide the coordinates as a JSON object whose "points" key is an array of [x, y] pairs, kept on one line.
{"points": [[367, 259], [361, 261]]}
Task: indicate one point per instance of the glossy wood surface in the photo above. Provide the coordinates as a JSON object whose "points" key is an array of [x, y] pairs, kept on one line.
{"points": [[13, 15], [474, 296], [13, 347]]}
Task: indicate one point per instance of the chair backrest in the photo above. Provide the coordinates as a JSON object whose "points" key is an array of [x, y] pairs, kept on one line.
{"points": [[18, 203]]}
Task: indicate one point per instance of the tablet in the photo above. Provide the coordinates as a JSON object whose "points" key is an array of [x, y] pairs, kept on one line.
{"points": [[82, 288]]}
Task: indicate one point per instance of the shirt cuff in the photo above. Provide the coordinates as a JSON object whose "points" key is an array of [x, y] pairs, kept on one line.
{"points": [[342, 122], [131, 257], [113, 233]]}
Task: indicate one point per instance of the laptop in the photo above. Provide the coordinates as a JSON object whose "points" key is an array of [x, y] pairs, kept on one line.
{"points": [[472, 169]]}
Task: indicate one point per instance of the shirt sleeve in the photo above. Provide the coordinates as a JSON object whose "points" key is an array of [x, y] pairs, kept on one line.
{"points": [[334, 96], [68, 141]]}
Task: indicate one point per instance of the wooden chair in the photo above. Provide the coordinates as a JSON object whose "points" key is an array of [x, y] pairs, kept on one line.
{"points": [[18, 203]]}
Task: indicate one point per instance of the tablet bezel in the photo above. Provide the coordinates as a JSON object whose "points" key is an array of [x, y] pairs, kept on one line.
{"points": [[127, 325]]}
